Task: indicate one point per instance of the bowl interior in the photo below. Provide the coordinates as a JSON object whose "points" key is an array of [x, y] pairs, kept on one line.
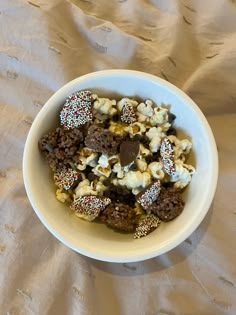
{"points": [[96, 240]]}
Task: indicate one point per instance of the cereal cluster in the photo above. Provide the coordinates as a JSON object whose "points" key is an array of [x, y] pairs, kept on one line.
{"points": [[118, 162]]}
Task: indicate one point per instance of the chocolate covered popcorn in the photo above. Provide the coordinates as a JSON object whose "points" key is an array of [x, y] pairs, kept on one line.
{"points": [[119, 162]]}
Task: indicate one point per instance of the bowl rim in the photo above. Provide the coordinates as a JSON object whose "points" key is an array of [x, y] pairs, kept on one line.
{"points": [[211, 190]]}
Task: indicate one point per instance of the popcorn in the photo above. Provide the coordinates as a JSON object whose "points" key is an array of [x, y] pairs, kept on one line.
{"points": [[155, 135], [144, 151], [156, 170], [136, 191], [102, 171], [165, 126], [159, 117], [128, 101], [105, 106], [141, 164], [117, 128], [146, 108], [87, 157], [181, 147], [135, 129], [182, 176], [185, 146], [99, 187], [119, 170], [62, 196], [134, 179], [100, 118], [85, 188], [138, 209], [105, 160]]}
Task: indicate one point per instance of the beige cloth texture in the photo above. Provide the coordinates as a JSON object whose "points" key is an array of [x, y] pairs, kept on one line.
{"points": [[45, 44]]}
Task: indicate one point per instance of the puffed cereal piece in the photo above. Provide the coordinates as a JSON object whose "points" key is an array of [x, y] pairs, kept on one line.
{"points": [[156, 170], [160, 116], [134, 179], [85, 188], [183, 174], [155, 135], [135, 129], [124, 101], [105, 106]]}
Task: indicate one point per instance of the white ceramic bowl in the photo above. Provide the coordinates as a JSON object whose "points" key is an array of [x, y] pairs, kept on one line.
{"points": [[96, 240]]}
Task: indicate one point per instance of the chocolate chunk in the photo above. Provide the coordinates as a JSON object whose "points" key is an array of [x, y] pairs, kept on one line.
{"points": [[133, 167], [171, 118], [115, 118], [106, 182], [129, 151], [120, 194], [171, 132], [145, 140], [91, 177], [169, 204], [149, 194], [137, 137]]}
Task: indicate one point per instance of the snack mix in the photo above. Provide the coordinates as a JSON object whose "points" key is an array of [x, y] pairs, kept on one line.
{"points": [[118, 162]]}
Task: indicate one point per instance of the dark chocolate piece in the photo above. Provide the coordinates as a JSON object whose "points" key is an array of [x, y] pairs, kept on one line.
{"points": [[129, 151]]}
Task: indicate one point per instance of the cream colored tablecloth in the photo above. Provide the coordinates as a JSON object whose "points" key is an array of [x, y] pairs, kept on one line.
{"points": [[43, 45]]}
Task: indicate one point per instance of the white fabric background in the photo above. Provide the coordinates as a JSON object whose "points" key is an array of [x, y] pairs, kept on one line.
{"points": [[43, 45]]}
